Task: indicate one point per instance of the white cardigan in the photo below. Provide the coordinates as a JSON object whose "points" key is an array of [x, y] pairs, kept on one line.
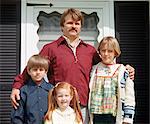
{"points": [[126, 97]]}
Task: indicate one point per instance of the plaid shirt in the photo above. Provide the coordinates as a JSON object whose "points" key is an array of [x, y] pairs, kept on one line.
{"points": [[104, 92]]}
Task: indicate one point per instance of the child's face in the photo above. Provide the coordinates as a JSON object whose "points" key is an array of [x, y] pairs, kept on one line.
{"points": [[107, 54], [37, 74], [63, 98]]}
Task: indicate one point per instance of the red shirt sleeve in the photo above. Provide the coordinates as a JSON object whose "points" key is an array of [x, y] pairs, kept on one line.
{"points": [[96, 58], [20, 80]]}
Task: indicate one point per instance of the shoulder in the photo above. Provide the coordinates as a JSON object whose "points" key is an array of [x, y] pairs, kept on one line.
{"points": [[47, 85], [55, 42], [47, 122], [123, 73], [52, 47], [95, 66], [24, 91], [51, 44], [123, 68], [28, 87], [88, 45], [24, 88]]}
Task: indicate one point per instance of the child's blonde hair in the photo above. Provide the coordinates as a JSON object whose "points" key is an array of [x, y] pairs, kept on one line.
{"points": [[37, 61], [112, 43], [52, 104]]}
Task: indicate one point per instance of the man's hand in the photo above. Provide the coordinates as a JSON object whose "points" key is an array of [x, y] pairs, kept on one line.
{"points": [[15, 96], [131, 71]]}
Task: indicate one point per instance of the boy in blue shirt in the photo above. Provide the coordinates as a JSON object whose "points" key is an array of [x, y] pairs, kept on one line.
{"points": [[34, 94]]}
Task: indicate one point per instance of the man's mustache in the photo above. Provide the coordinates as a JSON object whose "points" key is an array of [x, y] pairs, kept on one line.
{"points": [[73, 29]]}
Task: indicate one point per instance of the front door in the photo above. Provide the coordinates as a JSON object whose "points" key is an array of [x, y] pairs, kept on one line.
{"points": [[42, 23]]}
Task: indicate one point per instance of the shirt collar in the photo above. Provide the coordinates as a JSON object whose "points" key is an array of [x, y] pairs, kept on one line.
{"points": [[43, 85], [62, 40], [74, 43]]}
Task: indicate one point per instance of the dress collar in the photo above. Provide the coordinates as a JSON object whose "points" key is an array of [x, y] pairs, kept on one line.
{"points": [[68, 110], [106, 70]]}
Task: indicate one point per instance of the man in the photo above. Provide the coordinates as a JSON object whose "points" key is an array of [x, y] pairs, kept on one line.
{"points": [[70, 58]]}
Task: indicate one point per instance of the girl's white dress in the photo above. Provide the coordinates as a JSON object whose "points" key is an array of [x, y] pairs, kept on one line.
{"points": [[66, 117]]}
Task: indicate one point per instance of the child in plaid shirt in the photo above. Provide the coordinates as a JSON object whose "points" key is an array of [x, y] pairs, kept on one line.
{"points": [[111, 97]]}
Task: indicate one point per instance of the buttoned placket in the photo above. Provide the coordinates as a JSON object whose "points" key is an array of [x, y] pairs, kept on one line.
{"points": [[73, 47], [74, 52], [39, 97]]}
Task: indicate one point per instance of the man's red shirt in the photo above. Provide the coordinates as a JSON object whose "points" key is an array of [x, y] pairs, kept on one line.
{"points": [[65, 66]]}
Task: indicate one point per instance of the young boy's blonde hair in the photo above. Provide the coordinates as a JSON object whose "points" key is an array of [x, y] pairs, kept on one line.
{"points": [[112, 43], [37, 61]]}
